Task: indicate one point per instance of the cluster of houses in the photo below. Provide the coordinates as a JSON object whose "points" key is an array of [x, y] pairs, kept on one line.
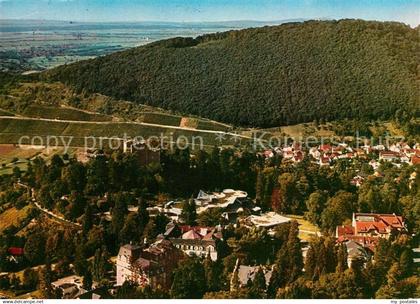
{"points": [[194, 241], [179, 241], [233, 203], [366, 229], [151, 264], [326, 154]]}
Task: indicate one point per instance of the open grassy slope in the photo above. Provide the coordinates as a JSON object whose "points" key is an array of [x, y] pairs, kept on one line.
{"points": [[57, 101]]}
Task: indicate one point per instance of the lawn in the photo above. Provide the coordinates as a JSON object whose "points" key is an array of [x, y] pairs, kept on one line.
{"points": [[9, 154], [307, 230], [8, 169]]}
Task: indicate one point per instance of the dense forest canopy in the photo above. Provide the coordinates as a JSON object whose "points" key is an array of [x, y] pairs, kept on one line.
{"points": [[269, 76]]}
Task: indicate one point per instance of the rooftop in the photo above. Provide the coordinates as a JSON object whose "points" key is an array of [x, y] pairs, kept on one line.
{"points": [[222, 199], [269, 219]]}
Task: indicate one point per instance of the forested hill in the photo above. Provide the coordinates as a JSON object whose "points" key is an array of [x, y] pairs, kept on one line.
{"points": [[267, 76]]}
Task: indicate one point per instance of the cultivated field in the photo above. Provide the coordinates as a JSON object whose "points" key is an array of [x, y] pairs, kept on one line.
{"points": [[12, 130], [161, 119], [12, 216], [40, 111]]}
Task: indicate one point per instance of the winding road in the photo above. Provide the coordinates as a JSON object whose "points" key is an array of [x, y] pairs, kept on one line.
{"points": [[44, 210]]}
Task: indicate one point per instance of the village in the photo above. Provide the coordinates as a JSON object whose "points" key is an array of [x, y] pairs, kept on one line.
{"points": [[152, 262]]}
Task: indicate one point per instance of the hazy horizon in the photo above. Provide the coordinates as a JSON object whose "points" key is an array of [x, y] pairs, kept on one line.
{"points": [[192, 11]]}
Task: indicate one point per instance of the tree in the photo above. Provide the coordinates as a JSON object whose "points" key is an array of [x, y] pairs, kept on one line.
{"points": [[341, 258], [310, 261], [81, 264], [235, 281], [74, 174], [389, 290], [143, 216], [130, 232], [44, 197], [87, 280], [267, 179], [46, 278], [189, 213], [97, 176], [150, 231], [210, 218], [128, 290], [214, 274], [16, 172], [406, 262], [77, 205], [288, 193], [348, 286], [320, 258], [62, 268], [35, 248], [383, 258], [30, 279], [118, 213], [87, 220], [315, 204], [258, 286], [339, 208], [100, 264], [273, 98], [299, 289], [289, 262], [189, 280], [15, 282], [274, 284], [369, 199], [161, 221]]}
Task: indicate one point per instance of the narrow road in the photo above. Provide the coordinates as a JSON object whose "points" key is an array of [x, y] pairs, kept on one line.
{"points": [[56, 216], [44, 210]]}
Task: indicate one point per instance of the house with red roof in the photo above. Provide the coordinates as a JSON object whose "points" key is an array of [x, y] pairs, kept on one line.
{"points": [[325, 148], [198, 241], [389, 155], [367, 228], [148, 266], [415, 160], [15, 251]]}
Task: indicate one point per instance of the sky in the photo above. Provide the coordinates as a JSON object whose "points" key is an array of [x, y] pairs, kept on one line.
{"points": [[407, 11]]}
